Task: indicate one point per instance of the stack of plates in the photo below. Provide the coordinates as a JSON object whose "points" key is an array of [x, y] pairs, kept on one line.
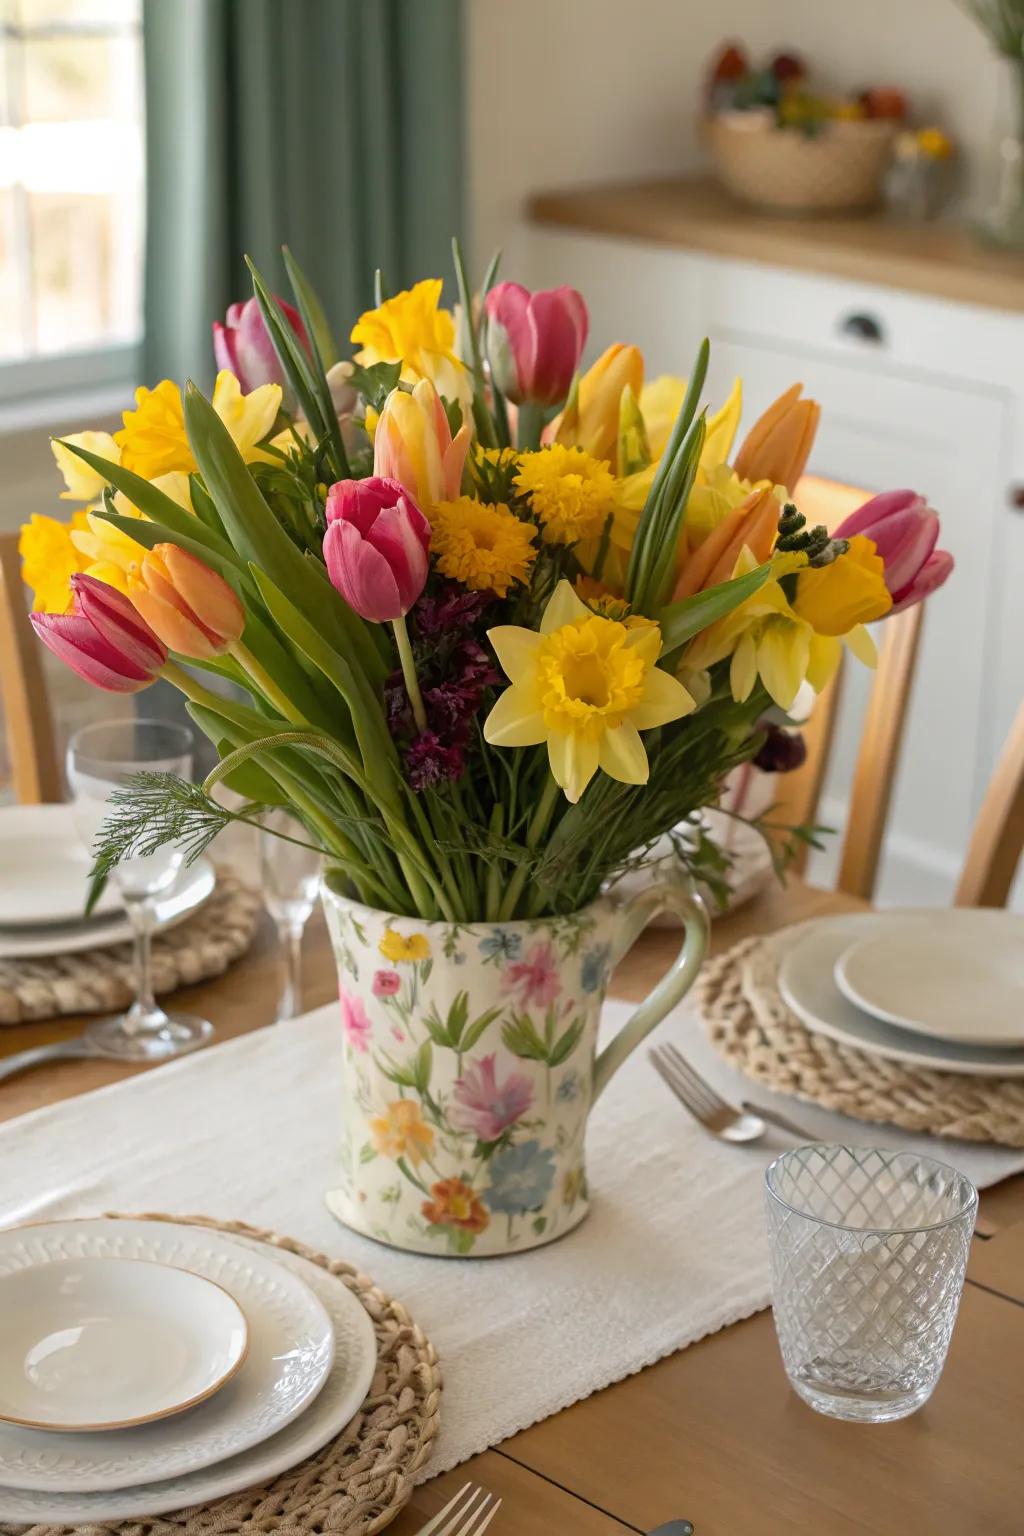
{"points": [[44, 877], [148, 1366], [933, 988]]}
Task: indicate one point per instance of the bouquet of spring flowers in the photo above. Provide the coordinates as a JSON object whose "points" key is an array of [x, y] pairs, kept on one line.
{"points": [[496, 625]]}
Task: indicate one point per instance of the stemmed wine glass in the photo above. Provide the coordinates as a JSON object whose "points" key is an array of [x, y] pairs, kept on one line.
{"points": [[290, 876], [100, 759]]}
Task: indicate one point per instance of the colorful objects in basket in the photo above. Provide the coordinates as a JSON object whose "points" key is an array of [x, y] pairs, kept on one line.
{"points": [[778, 143], [482, 642]]}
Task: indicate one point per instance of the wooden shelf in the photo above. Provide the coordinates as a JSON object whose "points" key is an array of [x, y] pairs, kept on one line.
{"points": [[696, 214]]}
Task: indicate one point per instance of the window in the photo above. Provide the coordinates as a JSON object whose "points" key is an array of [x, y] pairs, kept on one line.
{"points": [[71, 194]]}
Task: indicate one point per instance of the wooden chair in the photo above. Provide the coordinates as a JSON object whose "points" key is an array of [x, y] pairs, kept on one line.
{"points": [[828, 502], [998, 837], [26, 706]]}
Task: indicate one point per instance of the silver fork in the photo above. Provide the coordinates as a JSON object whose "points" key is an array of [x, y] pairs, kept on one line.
{"points": [[724, 1120], [469, 1517]]}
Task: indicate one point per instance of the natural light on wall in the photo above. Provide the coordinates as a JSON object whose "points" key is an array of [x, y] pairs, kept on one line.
{"points": [[71, 186]]}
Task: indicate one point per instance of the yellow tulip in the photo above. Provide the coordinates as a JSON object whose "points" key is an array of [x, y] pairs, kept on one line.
{"points": [[592, 422], [413, 444]]}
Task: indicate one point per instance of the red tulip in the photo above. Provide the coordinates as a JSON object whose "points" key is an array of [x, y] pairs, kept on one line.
{"points": [[535, 341], [103, 639], [376, 547], [243, 345], [905, 530]]}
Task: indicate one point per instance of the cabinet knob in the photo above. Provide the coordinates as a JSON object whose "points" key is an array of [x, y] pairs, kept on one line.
{"points": [[863, 327], [1016, 497]]}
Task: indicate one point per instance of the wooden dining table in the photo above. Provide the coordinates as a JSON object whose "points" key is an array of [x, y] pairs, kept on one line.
{"points": [[713, 1434]]}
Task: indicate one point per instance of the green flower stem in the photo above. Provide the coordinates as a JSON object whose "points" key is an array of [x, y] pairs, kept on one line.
{"points": [[530, 423], [493, 904], [265, 683], [534, 832], [412, 685]]}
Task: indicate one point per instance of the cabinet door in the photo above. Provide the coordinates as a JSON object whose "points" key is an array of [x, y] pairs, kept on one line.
{"points": [[881, 430]]}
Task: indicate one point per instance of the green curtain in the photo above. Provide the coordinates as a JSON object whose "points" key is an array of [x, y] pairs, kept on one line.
{"points": [[333, 126]]}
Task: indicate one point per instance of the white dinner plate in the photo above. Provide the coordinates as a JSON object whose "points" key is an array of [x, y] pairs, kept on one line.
{"points": [[193, 886], [91, 1344], [807, 984], [44, 868], [291, 1349], [958, 977]]}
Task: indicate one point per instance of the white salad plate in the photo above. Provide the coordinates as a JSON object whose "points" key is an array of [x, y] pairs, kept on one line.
{"points": [[291, 1351], [958, 977], [91, 1344], [44, 868], [342, 1394], [808, 986], [194, 886]]}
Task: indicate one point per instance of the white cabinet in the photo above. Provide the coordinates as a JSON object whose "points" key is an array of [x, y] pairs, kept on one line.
{"points": [[933, 400]]}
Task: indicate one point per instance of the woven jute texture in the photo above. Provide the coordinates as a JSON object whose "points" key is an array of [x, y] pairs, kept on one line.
{"points": [[750, 1025], [101, 980], [360, 1480]]}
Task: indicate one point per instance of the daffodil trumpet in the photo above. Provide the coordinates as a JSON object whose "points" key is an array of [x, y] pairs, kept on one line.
{"points": [[490, 652]]}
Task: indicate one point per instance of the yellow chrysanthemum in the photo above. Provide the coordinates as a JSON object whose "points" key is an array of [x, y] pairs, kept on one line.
{"points": [[401, 1132], [153, 440], [413, 330], [587, 686], [83, 483], [571, 493], [396, 947], [49, 560], [484, 546]]}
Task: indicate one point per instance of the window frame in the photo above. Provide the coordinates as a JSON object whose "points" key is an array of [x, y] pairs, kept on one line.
{"points": [[29, 385]]}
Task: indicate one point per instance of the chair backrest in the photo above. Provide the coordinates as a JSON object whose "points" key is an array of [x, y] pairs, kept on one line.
{"points": [[828, 502], [26, 706], [998, 837]]}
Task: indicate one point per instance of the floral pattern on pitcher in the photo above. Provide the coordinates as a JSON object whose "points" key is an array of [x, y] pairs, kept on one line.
{"points": [[468, 1053]]}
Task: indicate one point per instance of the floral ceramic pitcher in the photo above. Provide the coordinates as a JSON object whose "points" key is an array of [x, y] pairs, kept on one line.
{"points": [[470, 1066]]}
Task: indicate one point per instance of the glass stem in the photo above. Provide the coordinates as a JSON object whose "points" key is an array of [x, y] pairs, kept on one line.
{"points": [[145, 1013], [290, 1004]]}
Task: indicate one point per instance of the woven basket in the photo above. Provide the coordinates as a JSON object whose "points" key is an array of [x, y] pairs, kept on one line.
{"points": [[841, 168]]}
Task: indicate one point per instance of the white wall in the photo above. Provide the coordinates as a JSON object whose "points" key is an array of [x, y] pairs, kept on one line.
{"points": [[562, 92]]}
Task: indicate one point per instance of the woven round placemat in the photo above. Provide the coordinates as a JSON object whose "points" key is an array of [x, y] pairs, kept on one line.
{"points": [[101, 980], [359, 1481], [750, 1025]]}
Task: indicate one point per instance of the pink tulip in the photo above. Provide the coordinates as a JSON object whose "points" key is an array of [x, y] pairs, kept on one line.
{"points": [[243, 345], [376, 546], [534, 341], [905, 530], [103, 639]]}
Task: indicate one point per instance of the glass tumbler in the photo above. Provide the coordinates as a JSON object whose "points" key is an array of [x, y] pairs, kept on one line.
{"points": [[868, 1252]]}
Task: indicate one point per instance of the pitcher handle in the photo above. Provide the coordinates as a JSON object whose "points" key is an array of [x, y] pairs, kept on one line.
{"points": [[669, 895]]}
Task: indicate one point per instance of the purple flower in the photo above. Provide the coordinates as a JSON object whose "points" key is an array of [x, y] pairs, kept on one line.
{"points": [[485, 1106], [428, 762], [781, 751]]}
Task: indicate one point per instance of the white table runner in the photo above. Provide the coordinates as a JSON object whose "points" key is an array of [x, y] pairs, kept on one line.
{"points": [[674, 1247]]}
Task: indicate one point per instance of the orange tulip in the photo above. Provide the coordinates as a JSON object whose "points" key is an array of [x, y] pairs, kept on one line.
{"points": [[591, 421], [778, 445], [753, 524], [190, 607]]}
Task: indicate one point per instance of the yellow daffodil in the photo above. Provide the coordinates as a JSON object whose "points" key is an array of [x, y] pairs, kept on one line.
{"points": [[49, 560], [413, 330], [570, 491], [153, 440], [484, 546], [587, 686], [83, 484], [396, 947], [848, 592], [769, 638], [109, 551], [401, 1132]]}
